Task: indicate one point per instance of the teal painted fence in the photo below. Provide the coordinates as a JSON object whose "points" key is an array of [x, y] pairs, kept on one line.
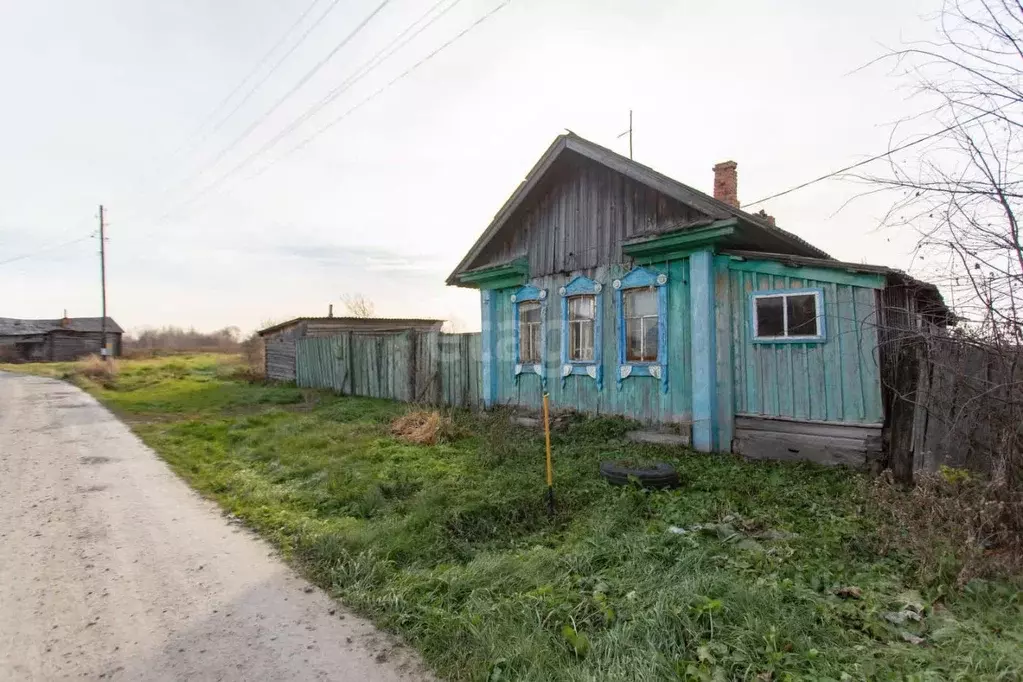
{"points": [[639, 397], [426, 367], [837, 380]]}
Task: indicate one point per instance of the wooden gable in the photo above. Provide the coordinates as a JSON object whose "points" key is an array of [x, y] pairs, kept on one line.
{"points": [[578, 217], [581, 202]]}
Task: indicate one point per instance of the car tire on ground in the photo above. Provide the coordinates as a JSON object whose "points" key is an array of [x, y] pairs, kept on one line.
{"points": [[661, 475]]}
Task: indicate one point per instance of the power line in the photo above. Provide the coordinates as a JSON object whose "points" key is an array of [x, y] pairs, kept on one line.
{"points": [[33, 254], [392, 82], [389, 85], [216, 183], [280, 61], [255, 69], [362, 71], [866, 161], [301, 81]]}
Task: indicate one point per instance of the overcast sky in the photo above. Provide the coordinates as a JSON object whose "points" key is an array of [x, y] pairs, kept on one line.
{"points": [[119, 102]]}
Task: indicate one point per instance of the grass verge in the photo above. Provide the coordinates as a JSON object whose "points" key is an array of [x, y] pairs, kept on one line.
{"points": [[749, 570]]}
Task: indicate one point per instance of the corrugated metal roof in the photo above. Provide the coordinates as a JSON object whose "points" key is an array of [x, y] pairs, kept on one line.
{"points": [[398, 322], [11, 326]]}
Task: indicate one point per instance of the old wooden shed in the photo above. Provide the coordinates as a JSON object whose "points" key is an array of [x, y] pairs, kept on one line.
{"points": [[280, 339], [56, 340], [617, 289]]}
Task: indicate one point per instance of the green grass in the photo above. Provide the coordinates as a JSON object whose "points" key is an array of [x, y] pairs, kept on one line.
{"points": [[449, 545]]}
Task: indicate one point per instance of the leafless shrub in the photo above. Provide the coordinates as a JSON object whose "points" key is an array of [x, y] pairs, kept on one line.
{"points": [[958, 525], [150, 342], [254, 353]]}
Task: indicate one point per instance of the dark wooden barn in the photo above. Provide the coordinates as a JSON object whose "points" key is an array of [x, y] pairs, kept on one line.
{"points": [[57, 340]]}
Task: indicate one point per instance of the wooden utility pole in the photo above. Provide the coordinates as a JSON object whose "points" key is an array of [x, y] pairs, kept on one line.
{"points": [[103, 278], [629, 133]]}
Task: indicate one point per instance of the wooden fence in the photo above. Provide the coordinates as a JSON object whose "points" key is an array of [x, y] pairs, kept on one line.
{"points": [[968, 406], [410, 366], [459, 370]]}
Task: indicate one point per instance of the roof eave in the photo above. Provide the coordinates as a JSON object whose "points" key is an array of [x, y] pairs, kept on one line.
{"points": [[532, 178]]}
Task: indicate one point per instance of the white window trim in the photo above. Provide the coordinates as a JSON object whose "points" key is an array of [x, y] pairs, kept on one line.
{"points": [[818, 295]]}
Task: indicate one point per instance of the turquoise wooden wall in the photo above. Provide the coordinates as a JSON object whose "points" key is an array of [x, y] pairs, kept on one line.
{"points": [[639, 397], [837, 380]]}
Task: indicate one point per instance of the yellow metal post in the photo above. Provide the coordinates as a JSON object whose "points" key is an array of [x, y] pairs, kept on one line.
{"points": [[550, 467]]}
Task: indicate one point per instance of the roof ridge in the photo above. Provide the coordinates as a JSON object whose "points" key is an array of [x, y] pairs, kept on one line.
{"points": [[656, 180]]}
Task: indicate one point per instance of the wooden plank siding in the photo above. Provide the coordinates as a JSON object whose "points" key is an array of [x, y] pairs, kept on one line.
{"points": [[835, 380], [424, 367], [65, 346], [580, 218], [638, 397], [280, 360], [459, 369], [822, 442]]}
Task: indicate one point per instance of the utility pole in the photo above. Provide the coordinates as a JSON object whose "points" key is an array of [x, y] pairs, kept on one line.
{"points": [[629, 133], [103, 278]]}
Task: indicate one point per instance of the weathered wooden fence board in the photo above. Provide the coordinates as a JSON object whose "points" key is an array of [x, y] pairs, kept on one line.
{"points": [[967, 405], [427, 367], [459, 369]]}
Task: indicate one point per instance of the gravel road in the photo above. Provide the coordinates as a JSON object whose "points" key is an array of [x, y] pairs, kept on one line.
{"points": [[111, 568]]}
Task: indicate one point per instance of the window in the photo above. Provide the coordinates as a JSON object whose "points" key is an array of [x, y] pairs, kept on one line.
{"points": [[788, 316], [529, 317], [640, 313], [581, 318], [641, 307], [529, 332]]}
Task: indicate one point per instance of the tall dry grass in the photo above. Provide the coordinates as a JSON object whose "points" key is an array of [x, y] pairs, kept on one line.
{"points": [[95, 368], [958, 525]]}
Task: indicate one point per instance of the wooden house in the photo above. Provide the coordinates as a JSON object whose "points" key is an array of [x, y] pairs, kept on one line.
{"points": [[280, 340], [57, 340], [619, 290]]}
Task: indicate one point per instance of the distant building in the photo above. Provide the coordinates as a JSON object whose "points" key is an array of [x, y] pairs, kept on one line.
{"points": [[57, 340], [280, 339]]}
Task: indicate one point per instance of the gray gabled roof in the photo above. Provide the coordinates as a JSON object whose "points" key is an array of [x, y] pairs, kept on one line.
{"points": [[11, 326], [372, 323], [570, 142]]}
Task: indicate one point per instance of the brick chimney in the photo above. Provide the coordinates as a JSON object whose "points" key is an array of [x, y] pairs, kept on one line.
{"points": [[726, 183], [65, 321]]}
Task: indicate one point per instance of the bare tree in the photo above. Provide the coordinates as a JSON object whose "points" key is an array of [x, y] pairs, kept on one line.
{"points": [[961, 189], [179, 339], [358, 305]]}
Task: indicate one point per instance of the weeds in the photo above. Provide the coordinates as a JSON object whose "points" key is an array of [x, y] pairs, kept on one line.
{"points": [[956, 526], [448, 543]]}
